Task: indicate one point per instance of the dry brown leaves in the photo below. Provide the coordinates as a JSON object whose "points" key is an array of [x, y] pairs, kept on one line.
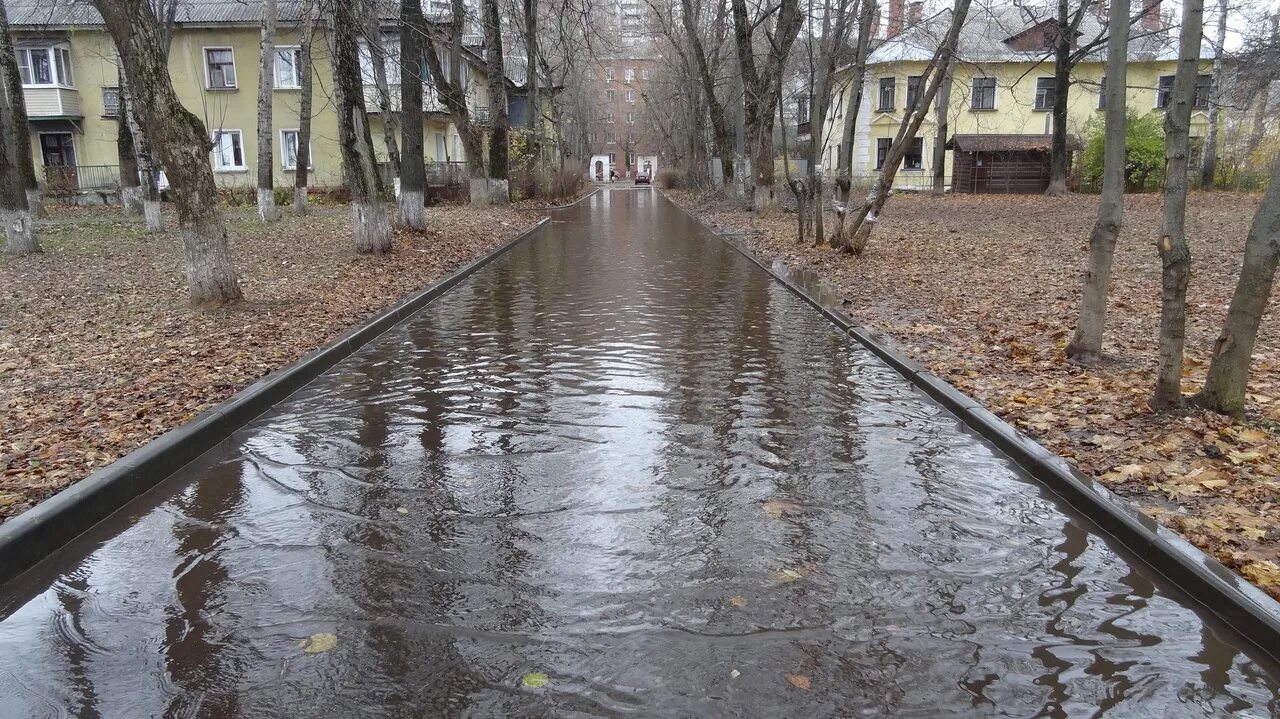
{"points": [[99, 352], [984, 290]]}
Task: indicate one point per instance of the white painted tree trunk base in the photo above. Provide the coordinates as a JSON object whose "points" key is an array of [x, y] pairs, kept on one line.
{"points": [[373, 227], [35, 203], [19, 232], [413, 210], [486, 192], [395, 186], [211, 278], [131, 199], [299, 200], [267, 210], [151, 210], [762, 200]]}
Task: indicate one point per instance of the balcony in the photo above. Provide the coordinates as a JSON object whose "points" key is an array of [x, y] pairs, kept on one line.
{"points": [[47, 103], [430, 99], [68, 179], [802, 130]]}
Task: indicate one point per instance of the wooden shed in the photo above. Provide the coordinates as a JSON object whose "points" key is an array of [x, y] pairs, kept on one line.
{"points": [[1002, 163]]}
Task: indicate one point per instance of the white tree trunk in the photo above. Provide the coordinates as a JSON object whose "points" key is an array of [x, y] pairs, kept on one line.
{"points": [[267, 211], [19, 232]]}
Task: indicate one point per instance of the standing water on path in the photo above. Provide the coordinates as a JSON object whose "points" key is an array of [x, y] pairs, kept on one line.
{"points": [[618, 471]]}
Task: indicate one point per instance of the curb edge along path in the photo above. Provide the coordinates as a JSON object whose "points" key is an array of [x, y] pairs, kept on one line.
{"points": [[30, 537], [1214, 587]]}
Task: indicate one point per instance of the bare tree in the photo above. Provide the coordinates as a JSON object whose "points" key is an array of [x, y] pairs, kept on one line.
{"points": [[1209, 161], [856, 227], [413, 173], [12, 79], [1064, 60], [857, 79], [19, 232], [942, 113], [372, 226], [1224, 389], [266, 156], [378, 61], [823, 59], [721, 132], [1086, 346], [497, 189], [760, 82], [451, 87], [183, 144], [1175, 252], [302, 157], [127, 155]]}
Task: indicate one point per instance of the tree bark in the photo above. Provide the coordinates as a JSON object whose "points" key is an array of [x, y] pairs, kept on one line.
{"points": [[499, 131], [721, 133], [942, 112], [1224, 389], [1209, 162], [1059, 156], [372, 225], [412, 200], [126, 156], [267, 211], [144, 154], [1175, 252], [19, 232], [21, 153], [453, 93], [301, 173], [1086, 345], [183, 144], [530, 8]]}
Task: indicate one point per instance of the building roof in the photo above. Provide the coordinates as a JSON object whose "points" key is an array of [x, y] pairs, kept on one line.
{"points": [[987, 28], [1008, 143], [78, 13]]}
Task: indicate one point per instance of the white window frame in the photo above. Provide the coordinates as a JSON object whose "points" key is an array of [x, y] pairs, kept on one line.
{"points": [[631, 118], [311, 158], [631, 95], [296, 51], [629, 74], [244, 160], [1165, 106], [608, 117], [23, 55], [1035, 101], [608, 74], [995, 93], [208, 77], [608, 96]]}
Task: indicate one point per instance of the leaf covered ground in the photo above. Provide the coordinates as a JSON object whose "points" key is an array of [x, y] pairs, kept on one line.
{"points": [[99, 352], [984, 290]]}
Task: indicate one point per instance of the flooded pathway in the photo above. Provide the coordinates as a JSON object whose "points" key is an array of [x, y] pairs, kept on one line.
{"points": [[618, 471]]}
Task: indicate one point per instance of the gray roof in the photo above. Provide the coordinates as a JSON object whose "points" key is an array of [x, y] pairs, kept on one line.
{"points": [[982, 39], [29, 14]]}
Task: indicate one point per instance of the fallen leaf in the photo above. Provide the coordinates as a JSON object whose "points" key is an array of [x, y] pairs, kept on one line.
{"points": [[799, 681], [738, 601], [534, 680], [318, 643], [777, 507]]}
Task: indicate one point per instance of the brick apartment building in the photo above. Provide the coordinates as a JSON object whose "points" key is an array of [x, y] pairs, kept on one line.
{"points": [[622, 137]]}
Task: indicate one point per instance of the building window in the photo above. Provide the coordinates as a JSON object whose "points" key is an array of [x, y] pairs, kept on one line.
{"points": [[888, 87], [220, 67], [882, 150], [984, 94], [110, 102], [45, 66], [608, 95], [630, 74], [289, 150], [228, 151], [288, 67], [1164, 91], [631, 95], [646, 73], [913, 159], [612, 158], [913, 89], [610, 138], [1046, 93], [631, 118], [802, 108], [608, 74], [1203, 83], [608, 117]]}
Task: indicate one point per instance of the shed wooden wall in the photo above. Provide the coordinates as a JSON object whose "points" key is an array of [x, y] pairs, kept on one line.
{"points": [[1002, 172]]}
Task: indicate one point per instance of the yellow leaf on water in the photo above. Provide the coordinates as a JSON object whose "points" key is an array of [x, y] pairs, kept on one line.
{"points": [[738, 601], [777, 507], [402, 510], [318, 643], [799, 681], [787, 576], [534, 680]]}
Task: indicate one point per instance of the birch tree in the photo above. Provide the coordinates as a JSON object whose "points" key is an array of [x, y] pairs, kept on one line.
{"points": [[760, 81], [24, 162], [19, 231], [823, 58], [413, 173], [856, 226], [1224, 389], [127, 156], [302, 162], [1209, 161], [1086, 345], [497, 189], [266, 83], [1175, 251], [183, 145], [378, 62], [369, 215]]}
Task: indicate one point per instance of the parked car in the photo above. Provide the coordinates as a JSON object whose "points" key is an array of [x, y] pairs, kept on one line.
{"points": [[642, 178]]}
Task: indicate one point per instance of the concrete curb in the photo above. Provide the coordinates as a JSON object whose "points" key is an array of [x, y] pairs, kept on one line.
{"points": [[1217, 589], [31, 536]]}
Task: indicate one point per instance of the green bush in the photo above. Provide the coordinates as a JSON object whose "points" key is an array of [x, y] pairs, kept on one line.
{"points": [[1144, 152]]}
